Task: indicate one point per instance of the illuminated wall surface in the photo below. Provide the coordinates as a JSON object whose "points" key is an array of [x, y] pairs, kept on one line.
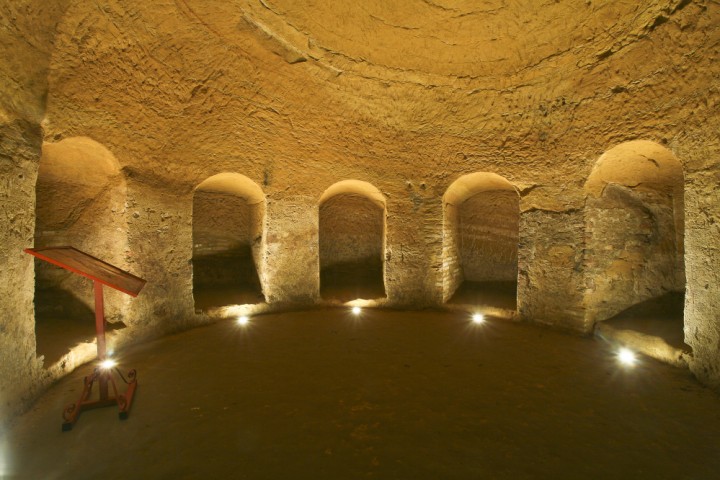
{"points": [[572, 149]]}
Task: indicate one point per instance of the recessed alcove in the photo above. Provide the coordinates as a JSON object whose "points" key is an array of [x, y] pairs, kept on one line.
{"points": [[352, 241], [481, 214], [635, 241], [80, 202], [228, 230]]}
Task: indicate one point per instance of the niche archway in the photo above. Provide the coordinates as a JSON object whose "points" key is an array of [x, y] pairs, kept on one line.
{"points": [[634, 231], [228, 231], [481, 215], [80, 201], [352, 241]]}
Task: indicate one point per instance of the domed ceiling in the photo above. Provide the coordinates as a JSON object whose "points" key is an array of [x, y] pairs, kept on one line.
{"points": [[500, 73], [461, 38]]}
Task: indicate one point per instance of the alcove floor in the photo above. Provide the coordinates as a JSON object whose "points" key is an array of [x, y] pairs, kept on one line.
{"points": [[386, 394], [654, 327], [501, 295]]}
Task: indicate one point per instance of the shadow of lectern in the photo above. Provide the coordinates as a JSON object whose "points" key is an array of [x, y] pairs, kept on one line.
{"points": [[101, 273]]}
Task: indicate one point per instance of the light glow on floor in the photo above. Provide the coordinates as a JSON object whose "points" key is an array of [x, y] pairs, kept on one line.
{"points": [[4, 462], [627, 356], [108, 363]]}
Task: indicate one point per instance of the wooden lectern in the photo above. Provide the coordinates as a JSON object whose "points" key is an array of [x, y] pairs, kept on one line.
{"points": [[101, 273]]}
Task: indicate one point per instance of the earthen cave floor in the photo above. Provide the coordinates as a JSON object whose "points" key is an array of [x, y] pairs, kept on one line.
{"points": [[321, 394]]}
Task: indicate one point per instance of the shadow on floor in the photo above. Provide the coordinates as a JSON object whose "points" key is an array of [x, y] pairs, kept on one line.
{"points": [[207, 297], [350, 281], [226, 278], [62, 321], [493, 294], [661, 317]]}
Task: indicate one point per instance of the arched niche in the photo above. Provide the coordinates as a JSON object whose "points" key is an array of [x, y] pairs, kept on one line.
{"points": [[80, 201], [228, 236], [634, 229], [352, 241], [481, 215]]}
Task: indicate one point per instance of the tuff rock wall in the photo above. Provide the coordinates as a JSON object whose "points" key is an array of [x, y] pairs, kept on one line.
{"points": [[488, 225], [352, 230], [26, 43]]}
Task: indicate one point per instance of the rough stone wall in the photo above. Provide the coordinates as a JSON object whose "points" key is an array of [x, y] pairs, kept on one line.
{"points": [[352, 231], [291, 263], [678, 206], [221, 222], [488, 231], [702, 249], [160, 251], [414, 240], [19, 155], [27, 31], [631, 249], [452, 272], [550, 277]]}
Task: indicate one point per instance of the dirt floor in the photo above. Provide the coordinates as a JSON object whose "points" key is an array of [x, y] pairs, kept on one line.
{"points": [[61, 323], [395, 395]]}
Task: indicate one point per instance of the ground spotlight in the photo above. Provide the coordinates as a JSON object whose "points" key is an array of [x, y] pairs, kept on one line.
{"points": [[108, 364], [243, 320], [478, 318], [356, 310], [626, 356]]}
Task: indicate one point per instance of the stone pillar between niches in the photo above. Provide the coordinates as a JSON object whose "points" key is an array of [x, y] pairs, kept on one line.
{"points": [[702, 268], [291, 269], [160, 251], [19, 369], [414, 248], [550, 280]]}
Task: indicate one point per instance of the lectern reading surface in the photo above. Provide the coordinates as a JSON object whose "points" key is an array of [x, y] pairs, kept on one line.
{"points": [[101, 273], [88, 266]]}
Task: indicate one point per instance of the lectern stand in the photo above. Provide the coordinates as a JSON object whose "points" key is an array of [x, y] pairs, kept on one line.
{"points": [[101, 273]]}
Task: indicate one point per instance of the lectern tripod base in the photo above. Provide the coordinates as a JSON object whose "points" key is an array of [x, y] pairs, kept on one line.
{"points": [[104, 378]]}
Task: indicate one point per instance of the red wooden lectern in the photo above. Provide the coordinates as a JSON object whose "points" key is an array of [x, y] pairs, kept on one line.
{"points": [[100, 273]]}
